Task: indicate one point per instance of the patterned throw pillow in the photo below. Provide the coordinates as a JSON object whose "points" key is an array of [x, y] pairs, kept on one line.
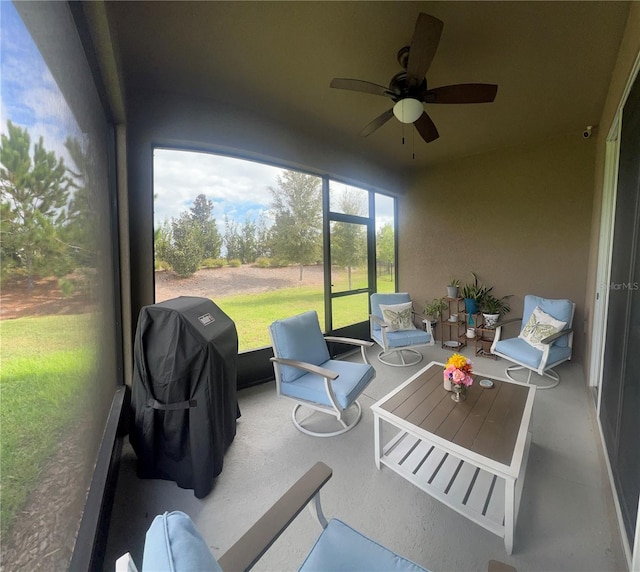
{"points": [[540, 326], [397, 316]]}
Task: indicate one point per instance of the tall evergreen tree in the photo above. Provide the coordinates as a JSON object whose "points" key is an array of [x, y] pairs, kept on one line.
{"points": [[210, 238], [297, 231], [34, 191], [232, 239]]}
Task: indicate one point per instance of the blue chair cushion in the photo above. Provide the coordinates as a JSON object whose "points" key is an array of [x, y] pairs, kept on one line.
{"points": [[173, 544], [403, 338], [354, 377], [386, 299], [520, 351], [560, 309], [341, 548], [301, 339]]}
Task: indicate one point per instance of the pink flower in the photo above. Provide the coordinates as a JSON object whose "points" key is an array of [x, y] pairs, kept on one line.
{"points": [[459, 377]]}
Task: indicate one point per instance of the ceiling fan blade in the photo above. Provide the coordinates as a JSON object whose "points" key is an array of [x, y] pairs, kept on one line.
{"points": [[426, 128], [426, 37], [462, 93], [377, 122], [360, 85]]}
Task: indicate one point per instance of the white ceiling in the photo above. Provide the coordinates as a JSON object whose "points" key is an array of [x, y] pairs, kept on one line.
{"points": [[552, 62]]}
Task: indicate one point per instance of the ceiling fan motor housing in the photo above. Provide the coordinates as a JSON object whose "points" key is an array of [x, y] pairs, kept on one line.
{"points": [[401, 88]]}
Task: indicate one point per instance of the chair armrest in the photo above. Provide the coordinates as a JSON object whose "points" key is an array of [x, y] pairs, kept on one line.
{"points": [[510, 321], [352, 341], [307, 367], [248, 549], [378, 321], [553, 337]]}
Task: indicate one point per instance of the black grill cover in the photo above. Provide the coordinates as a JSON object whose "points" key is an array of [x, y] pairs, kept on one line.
{"points": [[184, 391]]}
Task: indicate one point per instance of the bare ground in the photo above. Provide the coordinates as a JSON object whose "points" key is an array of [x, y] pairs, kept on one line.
{"points": [[45, 298], [216, 283]]}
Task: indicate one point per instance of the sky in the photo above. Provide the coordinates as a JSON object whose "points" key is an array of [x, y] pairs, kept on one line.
{"points": [[29, 96], [237, 187]]}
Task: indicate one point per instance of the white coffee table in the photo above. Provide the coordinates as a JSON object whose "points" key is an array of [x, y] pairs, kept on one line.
{"points": [[471, 456]]}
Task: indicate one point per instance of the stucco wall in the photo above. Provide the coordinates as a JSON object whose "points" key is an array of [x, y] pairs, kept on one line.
{"points": [[519, 218]]}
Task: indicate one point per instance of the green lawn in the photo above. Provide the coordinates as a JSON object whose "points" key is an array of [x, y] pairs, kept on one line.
{"points": [[46, 361], [252, 313], [44, 364]]}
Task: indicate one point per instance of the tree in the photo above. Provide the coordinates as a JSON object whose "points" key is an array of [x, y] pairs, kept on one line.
{"points": [[82, 215], [349, 240], [185, 251], [385, 244], [232, 239], [209, 234], [263, 237], [248, 242], [385, 251], [162, 242], [34, 192], [297, 230]]}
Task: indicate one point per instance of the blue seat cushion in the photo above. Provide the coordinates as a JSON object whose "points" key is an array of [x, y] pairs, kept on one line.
{"points": [[403, 338], [173, 544], [298, 338], [386, 300], [340, 547], [353, 378], [519, 350]]}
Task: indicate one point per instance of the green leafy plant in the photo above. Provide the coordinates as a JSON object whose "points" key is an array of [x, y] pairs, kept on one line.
{"points": [[435, 308], [475, 291], [493, 305], [454, 283]]}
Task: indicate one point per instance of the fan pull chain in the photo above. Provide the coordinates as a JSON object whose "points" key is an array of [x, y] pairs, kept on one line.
{"points": [[413, 143]]}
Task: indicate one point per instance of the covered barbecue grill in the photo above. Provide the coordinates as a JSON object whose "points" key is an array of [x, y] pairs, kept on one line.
{"points": [[184, 391]]}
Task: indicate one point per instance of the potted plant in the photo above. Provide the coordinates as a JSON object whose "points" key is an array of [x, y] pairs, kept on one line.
{"points": [[452, 288], [492, 308], [433, 311], [473, 294]]}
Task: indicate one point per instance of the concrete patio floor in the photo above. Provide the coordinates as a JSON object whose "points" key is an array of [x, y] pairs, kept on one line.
{"points": [[567, 518]]}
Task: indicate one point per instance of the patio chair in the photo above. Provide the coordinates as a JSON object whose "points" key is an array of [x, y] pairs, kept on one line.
{"points": [[545, 339], [305, 372], [173, 543], [392, 328]]}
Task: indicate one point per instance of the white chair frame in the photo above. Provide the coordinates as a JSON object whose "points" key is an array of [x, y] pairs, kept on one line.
{"points": [[383, 356], [329, 376], [544, 369]]}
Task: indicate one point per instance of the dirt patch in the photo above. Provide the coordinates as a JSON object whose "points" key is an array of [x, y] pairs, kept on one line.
{"points": [[45, 297], [216, 283]]}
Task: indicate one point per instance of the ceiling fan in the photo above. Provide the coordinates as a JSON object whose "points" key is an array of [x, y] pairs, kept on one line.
{"points": [[408, 89]]}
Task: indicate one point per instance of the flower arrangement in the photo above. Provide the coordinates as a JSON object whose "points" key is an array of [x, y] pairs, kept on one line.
{"points": [[457, 374]]}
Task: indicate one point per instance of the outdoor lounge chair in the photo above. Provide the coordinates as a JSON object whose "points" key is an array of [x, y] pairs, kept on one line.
{"points": [[392, 328], [545, 339], [173, 543], [305, 372]]}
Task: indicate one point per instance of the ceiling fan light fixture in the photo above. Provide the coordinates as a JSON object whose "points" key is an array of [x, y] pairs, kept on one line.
{"points": [[408, 110]]}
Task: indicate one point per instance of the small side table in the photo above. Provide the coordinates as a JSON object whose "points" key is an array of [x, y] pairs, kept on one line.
{"points": [[484, 340]]}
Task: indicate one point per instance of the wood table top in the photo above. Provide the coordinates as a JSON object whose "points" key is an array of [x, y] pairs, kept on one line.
{"points": [[488, 422]]}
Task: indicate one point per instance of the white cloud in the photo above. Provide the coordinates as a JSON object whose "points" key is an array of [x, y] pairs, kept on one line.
{"points": [[237, 187]]}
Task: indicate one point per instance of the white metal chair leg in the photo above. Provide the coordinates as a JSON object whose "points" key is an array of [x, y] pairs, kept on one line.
{"points": [[346, 427], [550, 373], [417, 357]]}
